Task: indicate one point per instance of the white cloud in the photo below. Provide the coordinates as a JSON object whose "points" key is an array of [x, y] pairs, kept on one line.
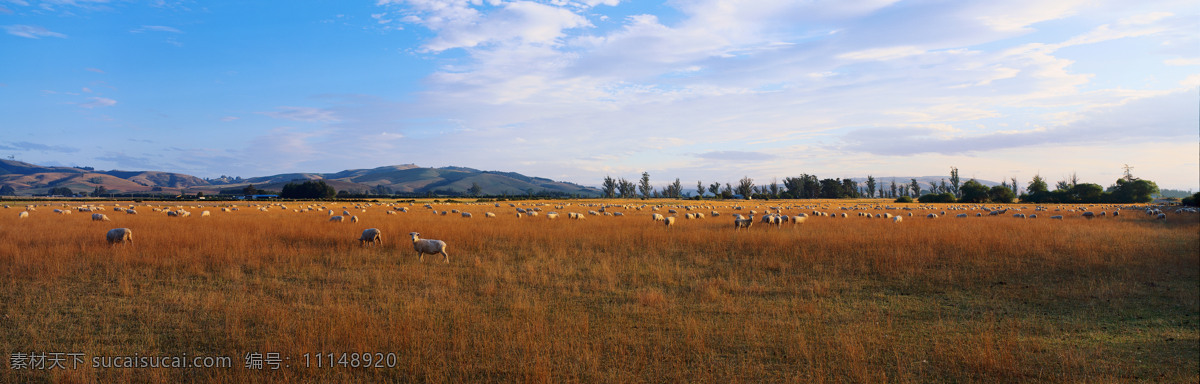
{"points": [[303, 114], [31, 31], [156, 28], [98, 102]]}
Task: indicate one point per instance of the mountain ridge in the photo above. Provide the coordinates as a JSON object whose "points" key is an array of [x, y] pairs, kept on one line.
{"points": [[31, 179]]}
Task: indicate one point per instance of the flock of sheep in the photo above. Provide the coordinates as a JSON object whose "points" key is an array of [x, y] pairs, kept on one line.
{"points": [[666, 214]]}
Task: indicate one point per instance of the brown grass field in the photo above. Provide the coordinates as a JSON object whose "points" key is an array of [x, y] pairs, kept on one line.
{"points": [[606, 299]]}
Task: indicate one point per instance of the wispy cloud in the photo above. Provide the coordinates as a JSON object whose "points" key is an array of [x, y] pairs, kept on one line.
{"points": [[31, 31], [155, 28], [27, 146], [98, 102], [303, 114]]}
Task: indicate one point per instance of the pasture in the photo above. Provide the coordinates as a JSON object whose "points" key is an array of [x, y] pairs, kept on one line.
{"points": [[606, 298]]}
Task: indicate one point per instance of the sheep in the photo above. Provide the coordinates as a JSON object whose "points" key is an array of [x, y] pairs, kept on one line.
{"points": [[739, 222], [799, 219], [205, 214], [130, 211], [932, 216], [1019, 215], [119, 235], [489, 214], [1161, 216], [370, 235], [656, 216], [466, 215], [99, 217], [432, 247], [353, 219], [552, 215], [897, 219], [961, 216], [336, 219], [669, 221], [1089, 215], [1059, 217]]}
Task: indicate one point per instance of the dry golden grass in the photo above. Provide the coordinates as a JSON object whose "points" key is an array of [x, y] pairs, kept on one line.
{"points": [[609, 299]]}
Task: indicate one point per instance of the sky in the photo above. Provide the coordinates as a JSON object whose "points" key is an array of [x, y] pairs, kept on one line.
{"points": [[576, 90]]}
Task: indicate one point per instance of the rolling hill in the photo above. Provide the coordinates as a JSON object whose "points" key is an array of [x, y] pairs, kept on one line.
{"points": [[30, 179]]}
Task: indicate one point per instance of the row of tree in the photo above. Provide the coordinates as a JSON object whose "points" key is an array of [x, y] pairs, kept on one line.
{"points": [[1128, 189]]}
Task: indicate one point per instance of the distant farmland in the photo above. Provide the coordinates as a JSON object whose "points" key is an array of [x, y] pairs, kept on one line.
{"points": [[606, 298]]}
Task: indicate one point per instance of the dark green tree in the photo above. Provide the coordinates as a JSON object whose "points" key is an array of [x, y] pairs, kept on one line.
{"points": [[610, 187], [1001, 194], [475, 189], [645, 187], [870, 186], [745, 187], [974, 192], [312, 189], [955, 187]]}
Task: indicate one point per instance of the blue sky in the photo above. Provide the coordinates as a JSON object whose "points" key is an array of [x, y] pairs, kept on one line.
{"points": [[708, 90]]}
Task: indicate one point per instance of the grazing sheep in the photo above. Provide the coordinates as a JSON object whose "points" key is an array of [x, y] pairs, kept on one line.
{"points": [[739, 222], [1161, 216], [466, 215], [432, 247], [205, 214], [656, 216], [130, 211], [353, 219], [800, 219], [1059, 217], [119, 235], [932, 216], [519, 215], [1020, 215], [99, 217], [371, 235], [897, 219], [961, 216], [669, 221], [1116, 213], [336, 219], [1089, 215], [552, 215], [489, 214]]}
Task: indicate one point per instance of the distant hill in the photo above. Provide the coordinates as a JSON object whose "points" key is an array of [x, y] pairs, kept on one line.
{"points": [[29, 179]]}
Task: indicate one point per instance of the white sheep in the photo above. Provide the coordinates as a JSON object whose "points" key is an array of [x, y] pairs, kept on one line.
{"points": [[932, 216], [353, 219], [552, 215], [1089, 215], [489, 214], [799, 219], [432, 247], [739, 222], [205, 213], [656, 216], [99, 217], [897, 219], [336, 219], [119, 235], [371, 235]]}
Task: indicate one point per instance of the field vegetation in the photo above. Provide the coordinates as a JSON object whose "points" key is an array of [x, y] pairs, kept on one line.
{"points": [[609, 298]]}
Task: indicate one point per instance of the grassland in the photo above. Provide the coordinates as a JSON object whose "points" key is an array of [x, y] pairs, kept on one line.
{"points": [[609, 299]]}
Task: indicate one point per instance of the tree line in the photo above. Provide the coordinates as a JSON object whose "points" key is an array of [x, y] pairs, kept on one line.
{"points": [[1127, 189]]}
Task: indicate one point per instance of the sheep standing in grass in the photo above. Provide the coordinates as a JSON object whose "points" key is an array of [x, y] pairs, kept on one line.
{"points": [[371, 235], [897, 219], [23, 214], [669, 221], [432, 247], [739, 222], [119, 235], [336, 219], [99, 217]]}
